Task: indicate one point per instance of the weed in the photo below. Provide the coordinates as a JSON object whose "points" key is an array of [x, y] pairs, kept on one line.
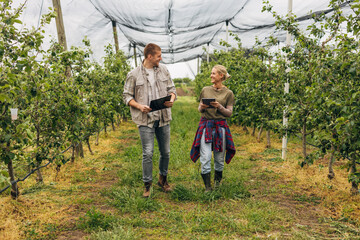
{"points": [[130, 177], [36, 188], [252, 158], [305, 198], [86, 176], [130, 200], [37, 231], [117, 233], [85, 200], [132, 153], [276, 160], [181, 193], [233, 189], [94, 220]]}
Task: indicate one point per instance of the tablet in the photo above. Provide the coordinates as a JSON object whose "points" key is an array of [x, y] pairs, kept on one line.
{"points": [[158, 104], [207, 101]]}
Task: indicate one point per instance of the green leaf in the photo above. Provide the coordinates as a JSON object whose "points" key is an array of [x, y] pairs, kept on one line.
{"points": [[4, 98]]}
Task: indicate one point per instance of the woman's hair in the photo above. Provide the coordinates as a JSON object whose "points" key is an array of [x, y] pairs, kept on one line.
{"points": [[151, 49], [222, 70]]}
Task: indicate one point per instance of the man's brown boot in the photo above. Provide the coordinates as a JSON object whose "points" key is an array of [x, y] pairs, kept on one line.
{"points": [[163, 183], [146, 193]]}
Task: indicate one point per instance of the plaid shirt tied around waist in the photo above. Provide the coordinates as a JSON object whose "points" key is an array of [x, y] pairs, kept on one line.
{"points": [[218, 138]]}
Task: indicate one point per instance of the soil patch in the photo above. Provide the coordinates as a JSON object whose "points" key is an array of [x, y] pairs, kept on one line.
{"points": [[186, 92]]}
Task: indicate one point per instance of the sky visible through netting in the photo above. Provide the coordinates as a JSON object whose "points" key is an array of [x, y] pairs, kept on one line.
{"points": [[184, 29]]}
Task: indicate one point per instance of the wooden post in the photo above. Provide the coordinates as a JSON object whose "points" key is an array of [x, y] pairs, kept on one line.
{"points": [[207, 56], [61, 31], [135, 55], [198, 64], [286, 91], [115, 36], [60, 24], [227, 34]]}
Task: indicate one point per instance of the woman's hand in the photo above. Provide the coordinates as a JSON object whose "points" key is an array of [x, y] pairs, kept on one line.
{"points": [[203, 106], [216, 104]]}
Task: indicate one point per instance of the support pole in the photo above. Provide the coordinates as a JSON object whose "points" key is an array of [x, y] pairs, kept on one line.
{"points": [[61, 31], [135, 55], [60, 24], [286, 91], [207, 56], [227, 34], [198, 64], [115, 36]]}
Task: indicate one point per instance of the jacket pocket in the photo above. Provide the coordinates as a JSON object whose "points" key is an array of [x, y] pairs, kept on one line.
{"points": [[140, 92], [167, 114], [163, 86]]}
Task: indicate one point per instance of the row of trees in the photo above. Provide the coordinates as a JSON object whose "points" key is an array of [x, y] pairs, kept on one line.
{"points": [[62, 99], [322, 68]]}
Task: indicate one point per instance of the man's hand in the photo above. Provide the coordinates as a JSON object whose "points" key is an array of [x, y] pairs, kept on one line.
{"points": [[144, 108], [169, 104]]}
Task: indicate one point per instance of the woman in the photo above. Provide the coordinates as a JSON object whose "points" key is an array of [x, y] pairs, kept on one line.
{"points": [[213, 132]]}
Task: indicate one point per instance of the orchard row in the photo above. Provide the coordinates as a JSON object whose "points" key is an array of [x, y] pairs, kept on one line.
{"points": [[322, 68], [60, 100]]}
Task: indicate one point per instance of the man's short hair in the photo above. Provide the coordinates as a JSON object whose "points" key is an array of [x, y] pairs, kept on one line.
{"points": [[151, 49]]}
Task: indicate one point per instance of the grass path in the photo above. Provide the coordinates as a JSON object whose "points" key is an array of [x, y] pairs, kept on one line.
{"points": [[261, 196]]}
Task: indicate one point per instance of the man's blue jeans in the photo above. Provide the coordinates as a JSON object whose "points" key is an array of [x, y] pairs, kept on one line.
{"points": [[206, 154], [147, 136]]}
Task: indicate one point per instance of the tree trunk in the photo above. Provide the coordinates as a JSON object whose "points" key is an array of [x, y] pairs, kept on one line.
{"points": [[81, 149], [354, 185], [246, 130], [113, 125], [331, 174], [253, 132], [304, 139], [73, 153], [259, 134], [14, 187], [97, 138], [268, 140], [105, 129], [39, 177], [88, 144], [58, 167], [118, 122]]}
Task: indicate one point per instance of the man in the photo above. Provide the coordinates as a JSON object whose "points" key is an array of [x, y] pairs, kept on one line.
{"points": [[151, 80]]}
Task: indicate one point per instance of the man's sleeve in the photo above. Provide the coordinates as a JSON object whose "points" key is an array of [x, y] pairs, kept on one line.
{"points": [[129, 89]]}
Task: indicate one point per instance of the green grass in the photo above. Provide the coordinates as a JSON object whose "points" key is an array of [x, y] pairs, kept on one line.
{"points": [[188, 211], [118, 232], [252, 202], [95, 220]]}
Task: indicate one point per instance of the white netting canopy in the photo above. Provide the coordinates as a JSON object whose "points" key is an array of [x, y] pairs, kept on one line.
{"points": [[182, 28]]}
